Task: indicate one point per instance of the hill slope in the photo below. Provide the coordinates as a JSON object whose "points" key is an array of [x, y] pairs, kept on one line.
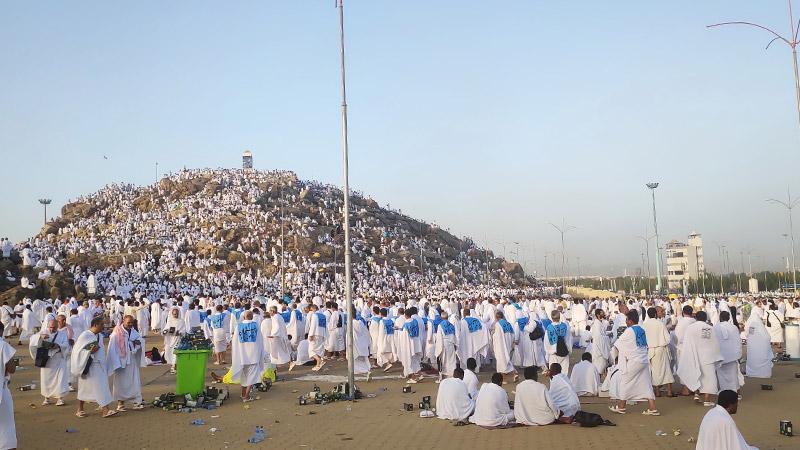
{"points": [[201, 222]]}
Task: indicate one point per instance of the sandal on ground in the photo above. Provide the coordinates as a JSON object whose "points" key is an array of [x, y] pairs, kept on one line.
{"points": [[651, 412], [80, 414], [110, 413], [121, 408], [60, 402], [617, 409], [138, 406]]}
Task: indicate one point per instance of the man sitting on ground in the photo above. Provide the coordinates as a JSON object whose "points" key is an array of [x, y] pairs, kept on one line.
{"points": [[585, 378], [718, 430], [470, 379], [563, 394], [453, 402], [491, 406], [532, 403]]}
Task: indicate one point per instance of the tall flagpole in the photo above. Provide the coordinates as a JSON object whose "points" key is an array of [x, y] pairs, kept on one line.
{"points": [[347, 284]]}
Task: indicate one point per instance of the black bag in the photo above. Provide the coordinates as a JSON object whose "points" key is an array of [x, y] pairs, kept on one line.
{"points": [[42, 356], [339, 323], [561, 347], [590, 420], [537, 333]]}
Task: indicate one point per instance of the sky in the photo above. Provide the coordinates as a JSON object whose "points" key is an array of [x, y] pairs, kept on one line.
{"points": [[490, 119]]}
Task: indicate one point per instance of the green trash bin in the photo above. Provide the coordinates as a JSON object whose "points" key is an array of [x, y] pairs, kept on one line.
{"points": [[191, 377]]}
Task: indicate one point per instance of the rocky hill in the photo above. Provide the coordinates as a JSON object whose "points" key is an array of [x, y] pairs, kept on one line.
{"points": [[202, 221]]}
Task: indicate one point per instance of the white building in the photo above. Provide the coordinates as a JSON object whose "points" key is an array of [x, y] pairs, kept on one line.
{"points": [[685, 262]]}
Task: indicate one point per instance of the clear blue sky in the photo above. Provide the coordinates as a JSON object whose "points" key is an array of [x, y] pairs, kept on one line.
{"points": [[489, 118]]}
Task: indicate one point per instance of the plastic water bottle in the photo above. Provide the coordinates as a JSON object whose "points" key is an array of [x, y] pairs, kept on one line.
{"points": [[198, 422], [258, 437]]}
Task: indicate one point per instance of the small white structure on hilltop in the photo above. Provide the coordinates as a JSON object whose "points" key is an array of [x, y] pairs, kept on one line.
{"points": [[247, 160]]}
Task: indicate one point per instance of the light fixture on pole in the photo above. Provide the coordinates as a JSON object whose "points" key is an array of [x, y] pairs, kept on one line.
{"points": [[652, 187], [794, 29], [44, 202], [789, 205], [346, 219]]}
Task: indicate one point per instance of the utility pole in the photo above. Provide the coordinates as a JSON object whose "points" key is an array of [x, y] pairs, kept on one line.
{"points": [[564, 228], [789, 205], [546, 276], [652, 187], [346, 220], [794, 31]]}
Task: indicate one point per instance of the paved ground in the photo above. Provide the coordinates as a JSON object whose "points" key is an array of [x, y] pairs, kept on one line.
{"points": [[380, 422]]}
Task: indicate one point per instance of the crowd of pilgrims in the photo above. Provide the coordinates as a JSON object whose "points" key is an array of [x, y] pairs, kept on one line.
{"points": [[168, 243], [638, 347]]}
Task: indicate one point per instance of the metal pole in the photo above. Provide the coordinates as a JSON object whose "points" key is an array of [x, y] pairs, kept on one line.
{"points": [[791, 233], [348, 287], [655, 227], [283, 251], [545, 268]]}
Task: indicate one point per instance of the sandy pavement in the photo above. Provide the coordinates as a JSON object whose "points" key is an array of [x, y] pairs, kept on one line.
{"points": [[380, 422]]}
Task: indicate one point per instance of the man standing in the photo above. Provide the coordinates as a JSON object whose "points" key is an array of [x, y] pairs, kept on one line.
{"points": [[730, 346], [385, 353], [219, 324], [445, 346], [699, 358], [601, 348], [277, 339], [8, 365], [658, 352], [125, 358], [472, 339], [558, 342], [317, 335], [89, 365], [409, 348], [247, 355], [53, 376], [634, 367]]}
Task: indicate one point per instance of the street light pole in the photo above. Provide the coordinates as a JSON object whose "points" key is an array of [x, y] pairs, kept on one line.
{"points": [[45, 202], [652, 187], [647, 250], [794, 30], [345, 165], [789, 205], [562, 229]]}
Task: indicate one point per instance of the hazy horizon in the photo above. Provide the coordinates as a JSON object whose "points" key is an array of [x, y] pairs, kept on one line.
{"points": [[490, 121]]}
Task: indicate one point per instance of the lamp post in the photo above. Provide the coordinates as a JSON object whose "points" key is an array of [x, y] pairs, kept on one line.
{"points": [[45, 202], [794, 30], [564, 228], [646, 241], [347, 289], [789, 204], [652, 187]]}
